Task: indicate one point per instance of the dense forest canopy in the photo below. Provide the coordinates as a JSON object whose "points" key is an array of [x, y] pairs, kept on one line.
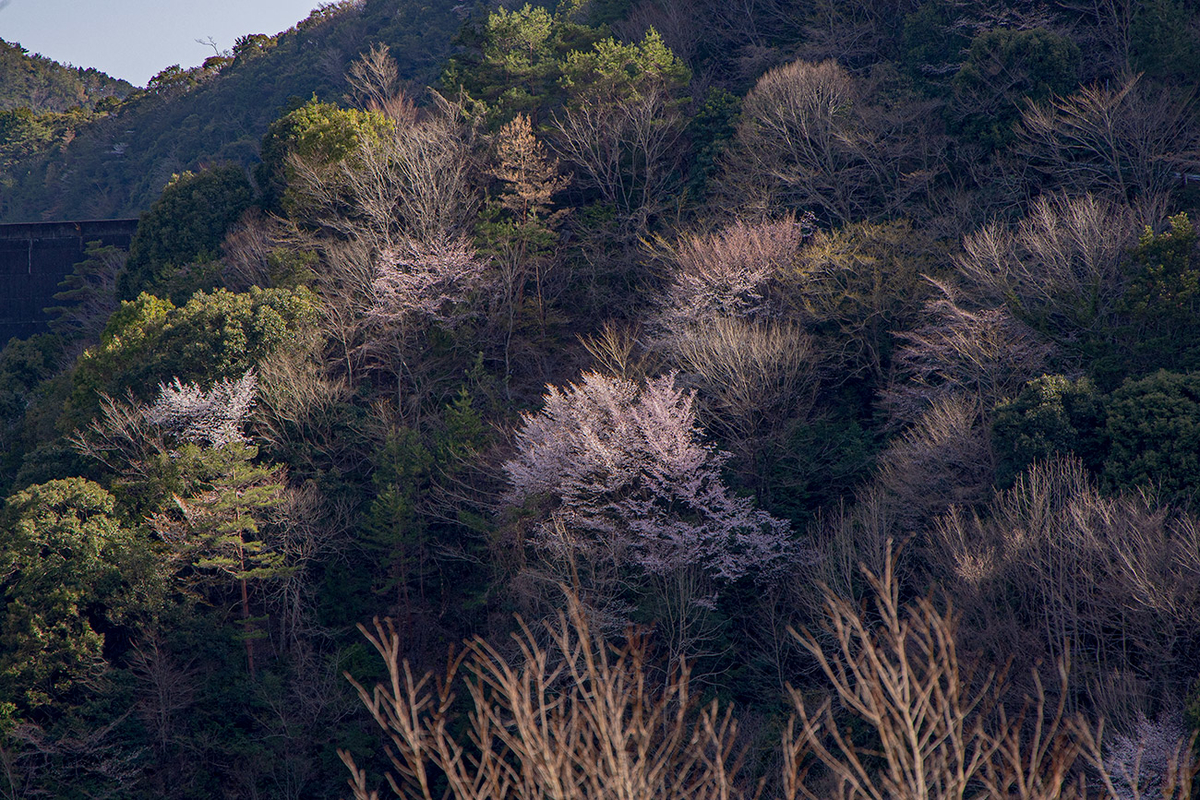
{"points": [[40, 84], [794, 397]]}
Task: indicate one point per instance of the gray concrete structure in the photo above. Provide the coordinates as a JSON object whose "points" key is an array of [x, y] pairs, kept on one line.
{"points": [[34, 259]]}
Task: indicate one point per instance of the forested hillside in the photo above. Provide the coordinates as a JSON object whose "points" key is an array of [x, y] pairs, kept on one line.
{"points": [[114, 164], [632, 399], [40, 84]]}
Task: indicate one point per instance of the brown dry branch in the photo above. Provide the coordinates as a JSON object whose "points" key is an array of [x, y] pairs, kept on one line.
{"points": [[1055, 567], [529, 176], [121, 437], [753, 377], [375, 86], [613, 348], [415, 182], [813, 136], [576, 719], [1127, 140], [247, 249], [627, 151], [1061, 266], [903, 678], [943, 459], [986, 355], [945, 731]]}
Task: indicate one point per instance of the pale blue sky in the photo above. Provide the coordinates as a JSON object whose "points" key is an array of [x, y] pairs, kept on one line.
{"points": [[135, 39]]}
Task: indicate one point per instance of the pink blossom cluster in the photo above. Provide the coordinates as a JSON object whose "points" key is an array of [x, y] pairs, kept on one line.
{"points": [[424, 278], [632, 479]]}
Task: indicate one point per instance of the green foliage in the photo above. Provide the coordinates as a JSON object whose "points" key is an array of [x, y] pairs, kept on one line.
{"points": [[395, 527], [1165, 274], [39, 84], [65, 567], [614, 72], [710, 130], [253, 45], [24, 134], [862, 284], [1153, 431], [318, 133], [1003, 69], [185, 225], [149, 341], [225, 497], [931, 43], [1163, 299], [412, 473], [1052, 416], [88, 294], [1165, 40], [820, 464], [513, 62], [175, 80]]}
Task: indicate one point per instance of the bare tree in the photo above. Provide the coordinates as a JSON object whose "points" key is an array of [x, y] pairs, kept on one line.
{"points": [[1062, 266], [944, 459], [943, 729], [904, 679], [577, 720], [167, 689], [729, 273], [810, 137], [1115, 578], [414, 182], [1126, 140], [375, 86], [752, 376], [625, 150], [987, 355], [390, 222]]}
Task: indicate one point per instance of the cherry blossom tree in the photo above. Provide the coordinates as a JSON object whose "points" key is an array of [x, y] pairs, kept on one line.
{"points": [[629, 474], [631, 505], [423, 279], [213, 418], [728, 273]]}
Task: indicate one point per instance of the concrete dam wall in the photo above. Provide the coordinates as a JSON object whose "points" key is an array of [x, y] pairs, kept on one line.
{"points": [[34, 259]]}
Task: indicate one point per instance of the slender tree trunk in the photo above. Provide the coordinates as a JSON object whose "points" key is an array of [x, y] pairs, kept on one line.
{"points": [[247, 625]]}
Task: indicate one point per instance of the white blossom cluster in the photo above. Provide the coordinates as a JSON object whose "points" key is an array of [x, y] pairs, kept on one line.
{"points": [[423, 279], [1140, 762], [212, 418]]}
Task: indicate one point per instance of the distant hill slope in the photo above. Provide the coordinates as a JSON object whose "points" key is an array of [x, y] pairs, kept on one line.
{"points": [[117, 165], [41, 84]]}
